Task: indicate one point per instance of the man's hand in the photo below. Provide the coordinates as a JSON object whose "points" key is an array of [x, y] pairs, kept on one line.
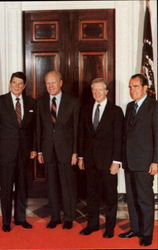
{"points": [[74, 159], [153, 169], [81, 164], [33, 154], [114, 169], [40, 158]]}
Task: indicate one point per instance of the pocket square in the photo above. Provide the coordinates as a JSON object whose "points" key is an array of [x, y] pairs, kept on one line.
{"points": [[30, 110]]}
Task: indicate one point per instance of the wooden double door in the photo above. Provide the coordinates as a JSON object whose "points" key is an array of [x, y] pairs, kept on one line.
{"points": [[78, 43]]}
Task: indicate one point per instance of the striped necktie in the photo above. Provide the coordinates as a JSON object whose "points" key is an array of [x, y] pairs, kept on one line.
{"points": [[53, 110], [18, 110]]}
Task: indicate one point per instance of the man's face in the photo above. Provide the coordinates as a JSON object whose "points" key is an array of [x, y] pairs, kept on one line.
{"points": [[137, 91], [53, 83], [99, 91], [17, 86]]}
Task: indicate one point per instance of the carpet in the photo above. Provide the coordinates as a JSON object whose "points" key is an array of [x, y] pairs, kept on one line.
{"points": [[42, 238]]}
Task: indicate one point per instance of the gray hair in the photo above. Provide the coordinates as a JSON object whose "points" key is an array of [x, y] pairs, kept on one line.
{"points": [[54, 72], [99, 79]]}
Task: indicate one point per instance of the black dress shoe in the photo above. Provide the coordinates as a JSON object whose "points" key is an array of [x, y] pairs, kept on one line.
{"points": [[88, 230], [53, 224], [6, 228], [146, 241], [24, 224], [108, 234], [128, 234], [67, 225]]}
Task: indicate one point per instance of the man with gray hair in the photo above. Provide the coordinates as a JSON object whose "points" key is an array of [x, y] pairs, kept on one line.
{"points": [[57, 116], [100, 140]]}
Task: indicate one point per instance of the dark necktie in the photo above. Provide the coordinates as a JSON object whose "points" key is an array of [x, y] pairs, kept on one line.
{"points": [[18, 110], [96, 117], [53, 110], [133, 114]]}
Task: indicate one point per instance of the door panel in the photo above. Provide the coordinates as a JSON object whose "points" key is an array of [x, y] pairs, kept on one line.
{"points": [[92, 64], [78, 43], [42, 63]]}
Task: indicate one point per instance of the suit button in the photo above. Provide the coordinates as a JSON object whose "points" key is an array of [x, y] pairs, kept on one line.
{"points": [[53, 130]]}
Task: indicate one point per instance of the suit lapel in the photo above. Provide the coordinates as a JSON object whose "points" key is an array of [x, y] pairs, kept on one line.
{"points": [[26, 110], [104, 116], [64, 108], [89, 116], [130, 108], [46, 106], [140, 112], [11, 109], [142, 109], [61, 111]]}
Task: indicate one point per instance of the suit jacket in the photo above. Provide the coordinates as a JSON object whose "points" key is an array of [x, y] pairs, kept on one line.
{"points": [[63, 138], [104, 145], [12, 136], [141, 140]]}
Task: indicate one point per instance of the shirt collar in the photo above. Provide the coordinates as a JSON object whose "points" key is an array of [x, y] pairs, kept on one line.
{"points": [[14, 97], [141, 101], [58, 96], [104, 102]]}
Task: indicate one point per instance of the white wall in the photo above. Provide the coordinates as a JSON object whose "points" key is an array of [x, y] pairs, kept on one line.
{"points": [[129, 37]]}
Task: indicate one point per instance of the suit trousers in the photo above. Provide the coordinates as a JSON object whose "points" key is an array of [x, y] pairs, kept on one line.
{"points": [[13, 172], [62, 189], [140, 201], [101, 186]]}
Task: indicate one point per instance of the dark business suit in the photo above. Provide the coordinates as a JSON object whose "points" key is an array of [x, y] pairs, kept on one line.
{"points": [[99, 149], [16, 142], [57, 145], [140, 150]]}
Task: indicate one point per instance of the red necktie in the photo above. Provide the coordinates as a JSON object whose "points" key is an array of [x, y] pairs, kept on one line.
{"points": [[18, 110], [53, 110]]}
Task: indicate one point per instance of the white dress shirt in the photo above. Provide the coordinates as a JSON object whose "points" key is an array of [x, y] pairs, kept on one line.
{"points": [[140, 102], [58, 99], [101, 109], [21, 103]]}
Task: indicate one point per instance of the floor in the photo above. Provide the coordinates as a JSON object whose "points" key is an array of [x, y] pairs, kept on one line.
{"points": [[40, 208]]}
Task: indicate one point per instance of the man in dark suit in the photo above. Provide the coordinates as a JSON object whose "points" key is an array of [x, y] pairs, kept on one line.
{"points": [[17, 116], [100, 140], [57, 148], [140, 159]]}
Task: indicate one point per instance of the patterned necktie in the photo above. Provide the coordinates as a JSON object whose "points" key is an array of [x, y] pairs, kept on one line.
{"points": [[18, 110], [133, 114], [53, 110], [96, 117]]}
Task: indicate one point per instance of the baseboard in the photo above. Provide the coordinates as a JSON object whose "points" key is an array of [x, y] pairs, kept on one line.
{"points": [[122, 197]]}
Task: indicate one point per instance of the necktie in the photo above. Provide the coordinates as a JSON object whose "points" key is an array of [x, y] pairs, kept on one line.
{"points": [[133, 114], [18, 110], [96, 117], [53, 110]]}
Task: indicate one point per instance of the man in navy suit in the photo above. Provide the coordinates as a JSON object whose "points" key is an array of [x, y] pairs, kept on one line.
{"points": [[100, 150], [57, 148], [140, 159], [17, 119]]}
